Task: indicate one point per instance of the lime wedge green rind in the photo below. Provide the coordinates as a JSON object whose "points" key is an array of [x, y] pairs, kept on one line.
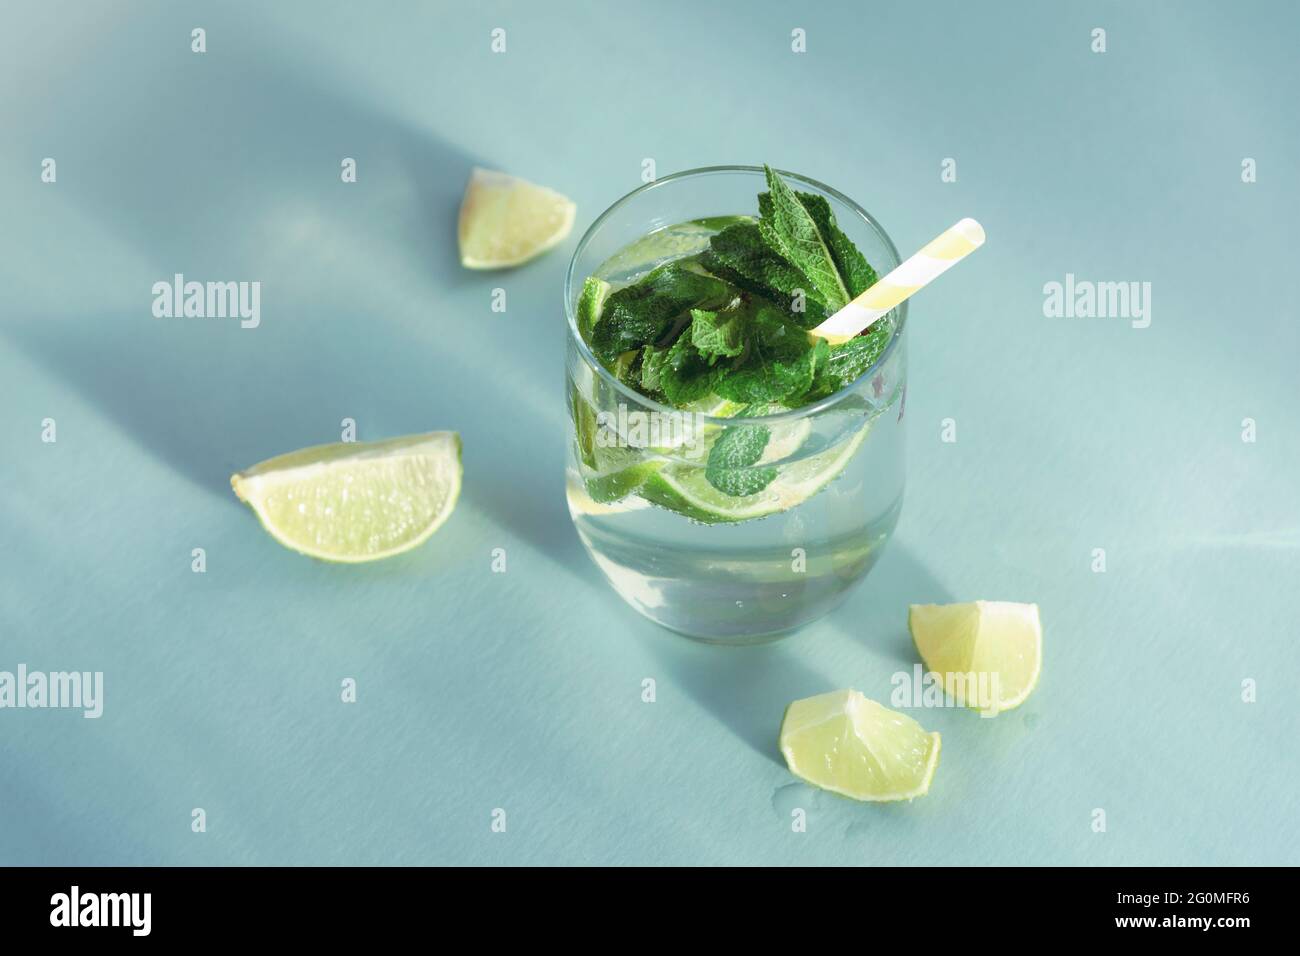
{"points": [[351, 502], [847, 744], [969, 645], [686, 490], [506, 221], [591, 303]]}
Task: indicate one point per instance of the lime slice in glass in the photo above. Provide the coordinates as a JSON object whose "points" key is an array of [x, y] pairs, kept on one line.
{"points": [[713, 407], [610, 472], [853, 746], [356, 501], [684, 488], [505, 221], [591, 303], [785, 439], [581, 503], [676, 242], [987, 653], [618, 473]]}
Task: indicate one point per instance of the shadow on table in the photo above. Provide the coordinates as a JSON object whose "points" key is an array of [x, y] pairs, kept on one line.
{"points": [[747, 688], [876, 613], [744, 688], [356, 279]]}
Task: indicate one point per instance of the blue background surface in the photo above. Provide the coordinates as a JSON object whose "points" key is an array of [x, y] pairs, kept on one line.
{"points": [[522, 690]]}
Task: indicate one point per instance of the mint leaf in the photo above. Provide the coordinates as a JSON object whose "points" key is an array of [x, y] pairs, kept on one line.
{"points": [[685, 375], [644, 312], [790, 229], [838, 366], [742, 481], [652, 360], [740, 255], [778, 381], [731, 320], [824, 382], [777, 364], [739, 446], [852, 265], [732, 457], [849, 360], [627, 368], [717, 334]]}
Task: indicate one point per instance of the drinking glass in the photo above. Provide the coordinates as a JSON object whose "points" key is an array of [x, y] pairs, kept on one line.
{"points": [[727, 570]]}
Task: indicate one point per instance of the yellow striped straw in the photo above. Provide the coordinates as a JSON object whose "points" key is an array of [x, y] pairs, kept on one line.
{"points": [[938, 256]]}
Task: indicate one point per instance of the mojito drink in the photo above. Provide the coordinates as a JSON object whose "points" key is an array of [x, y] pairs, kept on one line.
{"points": [[731, 474]]}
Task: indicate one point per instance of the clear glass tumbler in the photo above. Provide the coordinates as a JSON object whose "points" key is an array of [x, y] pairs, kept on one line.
{"points": [[721, 569]]}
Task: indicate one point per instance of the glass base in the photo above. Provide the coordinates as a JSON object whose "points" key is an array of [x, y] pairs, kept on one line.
{"points": [[752, 598]]}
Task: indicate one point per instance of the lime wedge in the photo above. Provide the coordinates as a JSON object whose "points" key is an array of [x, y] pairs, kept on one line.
{"points": [[612, 471], [505, 221], [581, 503], [711, 406], [853, 746], [356, 501], [684, 489], [609, 472], [618, 473], [714, 407], [785, 439], [591, 303], [987, 653]]}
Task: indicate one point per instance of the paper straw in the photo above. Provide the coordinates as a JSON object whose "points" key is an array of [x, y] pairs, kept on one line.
{"points": [[940, 255]]}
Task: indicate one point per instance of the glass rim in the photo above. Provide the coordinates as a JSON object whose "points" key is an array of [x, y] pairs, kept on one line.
{"points": [[651, 404]]}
